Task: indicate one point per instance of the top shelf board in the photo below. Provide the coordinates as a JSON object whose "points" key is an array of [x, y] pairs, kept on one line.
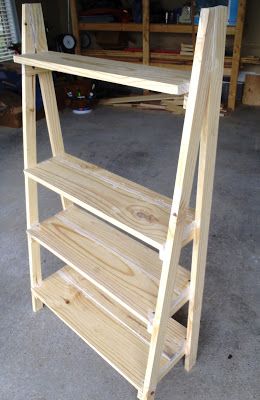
{"points": [[120, 72], [133, 27]]}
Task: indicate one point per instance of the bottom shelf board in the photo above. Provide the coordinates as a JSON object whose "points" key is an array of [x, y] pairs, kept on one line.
{"points": [[66, 295]]}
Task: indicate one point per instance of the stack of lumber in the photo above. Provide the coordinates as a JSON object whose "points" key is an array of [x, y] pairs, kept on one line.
{"points": [[186, 49], [159, 101], [175, 105]]}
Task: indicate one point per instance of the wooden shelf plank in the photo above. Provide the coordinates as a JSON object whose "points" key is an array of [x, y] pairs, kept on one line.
{"points": [[133, 27], [129, 74], [182, 28], [69, 296], [111, 26], [162, 60], [125, 204], [135, 54], [121, 349], [123, 268], [159, 56]]}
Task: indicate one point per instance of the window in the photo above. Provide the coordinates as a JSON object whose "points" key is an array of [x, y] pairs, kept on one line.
{"points": [[9, 32]]}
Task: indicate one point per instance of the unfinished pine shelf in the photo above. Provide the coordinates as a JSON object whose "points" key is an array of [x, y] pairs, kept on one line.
{"points": [[122, 281], [140, 76]]}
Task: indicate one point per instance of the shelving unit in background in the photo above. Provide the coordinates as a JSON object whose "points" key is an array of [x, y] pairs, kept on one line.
{"points": [[147, 57]]}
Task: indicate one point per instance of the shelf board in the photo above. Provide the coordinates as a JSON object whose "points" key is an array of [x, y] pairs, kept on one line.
{"points": [[129, 74], [124, 269], [162, 60], [134, 27], [136, 54], [69, 296], [125, 204], [111, 26], [155, 56]]}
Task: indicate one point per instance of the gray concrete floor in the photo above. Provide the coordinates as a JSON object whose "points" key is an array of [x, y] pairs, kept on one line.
{"points": [[40, 358]]}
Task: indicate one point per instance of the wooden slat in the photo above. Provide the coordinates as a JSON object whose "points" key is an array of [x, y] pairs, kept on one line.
{"points": [[133, 27], [136, 99], [129, 206], [112, 341], [179, 28], [178, 58], [135, 54], [135, 75], [123, 268], [170, 63], [110, 27]]}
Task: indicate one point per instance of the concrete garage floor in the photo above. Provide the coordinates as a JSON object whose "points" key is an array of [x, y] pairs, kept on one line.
{"points": [[42, 359]]}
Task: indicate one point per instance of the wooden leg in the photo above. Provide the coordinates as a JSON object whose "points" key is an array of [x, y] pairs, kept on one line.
{"points": [[35, 270], [196, 107], [199, 253], [148, 395], [205, 83], [200, 241], [32, 43], [31, 195], [207, 156]]}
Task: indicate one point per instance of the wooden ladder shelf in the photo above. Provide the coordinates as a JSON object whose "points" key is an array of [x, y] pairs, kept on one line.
{"points": [[119, 288]]}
